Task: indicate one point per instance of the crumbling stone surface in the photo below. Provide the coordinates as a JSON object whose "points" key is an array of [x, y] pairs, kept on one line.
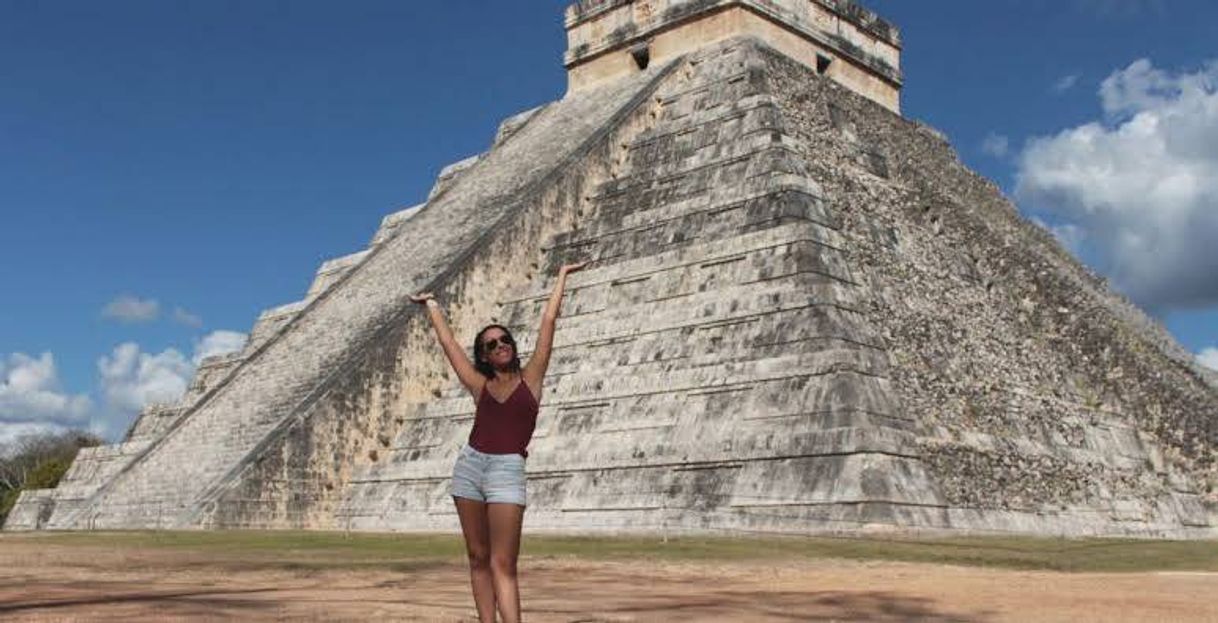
{"points": [[32, 510], [1034, 384]]}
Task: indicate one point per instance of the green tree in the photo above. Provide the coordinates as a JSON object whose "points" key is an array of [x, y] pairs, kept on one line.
{"points": [[7, 500], [38, 462]]}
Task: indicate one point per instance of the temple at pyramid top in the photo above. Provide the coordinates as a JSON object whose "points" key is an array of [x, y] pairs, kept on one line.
{"points": [[608, 39]]}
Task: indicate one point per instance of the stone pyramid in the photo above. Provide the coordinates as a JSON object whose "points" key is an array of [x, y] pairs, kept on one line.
{"points": [[804, 315]]}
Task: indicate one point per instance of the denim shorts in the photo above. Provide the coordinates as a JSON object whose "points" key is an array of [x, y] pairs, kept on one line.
{"points": [[490, 478]]}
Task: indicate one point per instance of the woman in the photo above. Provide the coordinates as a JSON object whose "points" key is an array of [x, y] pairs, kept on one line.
{"points": [[488, 484]]}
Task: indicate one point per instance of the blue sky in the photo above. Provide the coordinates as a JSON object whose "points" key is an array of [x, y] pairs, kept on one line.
{"points": [[169, 169]]}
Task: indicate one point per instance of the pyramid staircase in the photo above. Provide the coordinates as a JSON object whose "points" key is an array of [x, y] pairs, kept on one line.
{"points": [[179, 460], [711, 369], [803, 314]]}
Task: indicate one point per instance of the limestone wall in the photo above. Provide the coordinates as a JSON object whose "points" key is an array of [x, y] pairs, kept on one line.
{"points": [[390, 224], [153, 421], [1042, 396], [209, 374], [300, 478], [94, 468], [32, 511], [91, 469], [865, 51], [711, 370], [803, 315], [776, 336], [304, 363], [333, 270]]}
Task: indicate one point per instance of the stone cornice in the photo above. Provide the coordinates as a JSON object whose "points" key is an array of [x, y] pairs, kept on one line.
{"points": [[681, 13], [848, 10]]}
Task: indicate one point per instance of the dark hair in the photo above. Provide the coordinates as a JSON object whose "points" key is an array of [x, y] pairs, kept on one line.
{"points": [[485, 366]]}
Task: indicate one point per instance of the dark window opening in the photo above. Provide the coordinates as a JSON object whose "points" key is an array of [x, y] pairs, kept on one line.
{"points": [[822, 64], [641, 54]]}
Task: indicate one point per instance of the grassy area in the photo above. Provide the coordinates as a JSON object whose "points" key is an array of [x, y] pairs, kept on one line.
{"points": [[330, 549]]}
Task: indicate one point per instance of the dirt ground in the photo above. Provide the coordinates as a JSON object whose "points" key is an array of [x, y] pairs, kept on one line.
{"points": [[40, 582]]}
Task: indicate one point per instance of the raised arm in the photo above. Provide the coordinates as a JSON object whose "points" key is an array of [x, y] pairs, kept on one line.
{"points": [[469, 375], [535, 370]]}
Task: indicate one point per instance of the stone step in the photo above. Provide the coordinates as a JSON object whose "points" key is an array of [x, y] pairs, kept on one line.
{"points": [[762, 485], [758, 148], [333, 270], [775, 482], [764, 333], [739, 116], [393, 223], [94, 466], [712, 229], [31, 510], [451, 174], [510, 126], [728, 305], [764, 152], [211, 372], [688, 149], [289, 369], [591, 389], [642, 446], [741, 270], [755, 336], [270, 322], [828, 401], [154, 419], [704, 92], [625, 218], [720, 256]]}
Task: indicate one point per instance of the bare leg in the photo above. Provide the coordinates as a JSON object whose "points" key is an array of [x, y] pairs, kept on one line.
{"points": [[505, 520], [476, 528]]}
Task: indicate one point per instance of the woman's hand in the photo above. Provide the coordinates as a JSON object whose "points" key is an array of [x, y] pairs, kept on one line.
{"points": [[570, 268], [422, 297]]}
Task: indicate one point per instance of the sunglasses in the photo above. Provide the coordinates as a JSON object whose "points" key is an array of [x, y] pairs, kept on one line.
{"points": [[493, 343]]}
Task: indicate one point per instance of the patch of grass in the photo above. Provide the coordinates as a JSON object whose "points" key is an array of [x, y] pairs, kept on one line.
{"points": [[262, 541], [311, 550], [288, 550], [1073, 555]]}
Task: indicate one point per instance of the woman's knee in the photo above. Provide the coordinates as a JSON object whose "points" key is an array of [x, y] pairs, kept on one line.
{"points": [[504, 565], [479, 557]]}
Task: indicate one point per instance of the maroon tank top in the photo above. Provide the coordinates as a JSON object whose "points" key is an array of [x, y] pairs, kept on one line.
{"points": [[504, 427]]}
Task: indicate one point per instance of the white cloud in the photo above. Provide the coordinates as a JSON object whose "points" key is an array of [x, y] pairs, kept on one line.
{"points": [[1065, 83], [1070, 236], [131, 378], [133, 309], [32, 401], [185, 318], [996, 145], [12, 432], [1141, 88], [218, 343], [1140, 186], [1208, 358], [30, 391]]}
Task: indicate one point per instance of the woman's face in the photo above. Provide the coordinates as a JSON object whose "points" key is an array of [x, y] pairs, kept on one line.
{"points": [[497, 347]]}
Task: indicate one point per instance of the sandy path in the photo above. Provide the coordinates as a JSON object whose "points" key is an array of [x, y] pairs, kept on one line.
{"points": [[56, 583]]}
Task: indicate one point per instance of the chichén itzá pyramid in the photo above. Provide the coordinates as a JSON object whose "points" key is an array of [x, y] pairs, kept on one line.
{"points": [[804, 315]]}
